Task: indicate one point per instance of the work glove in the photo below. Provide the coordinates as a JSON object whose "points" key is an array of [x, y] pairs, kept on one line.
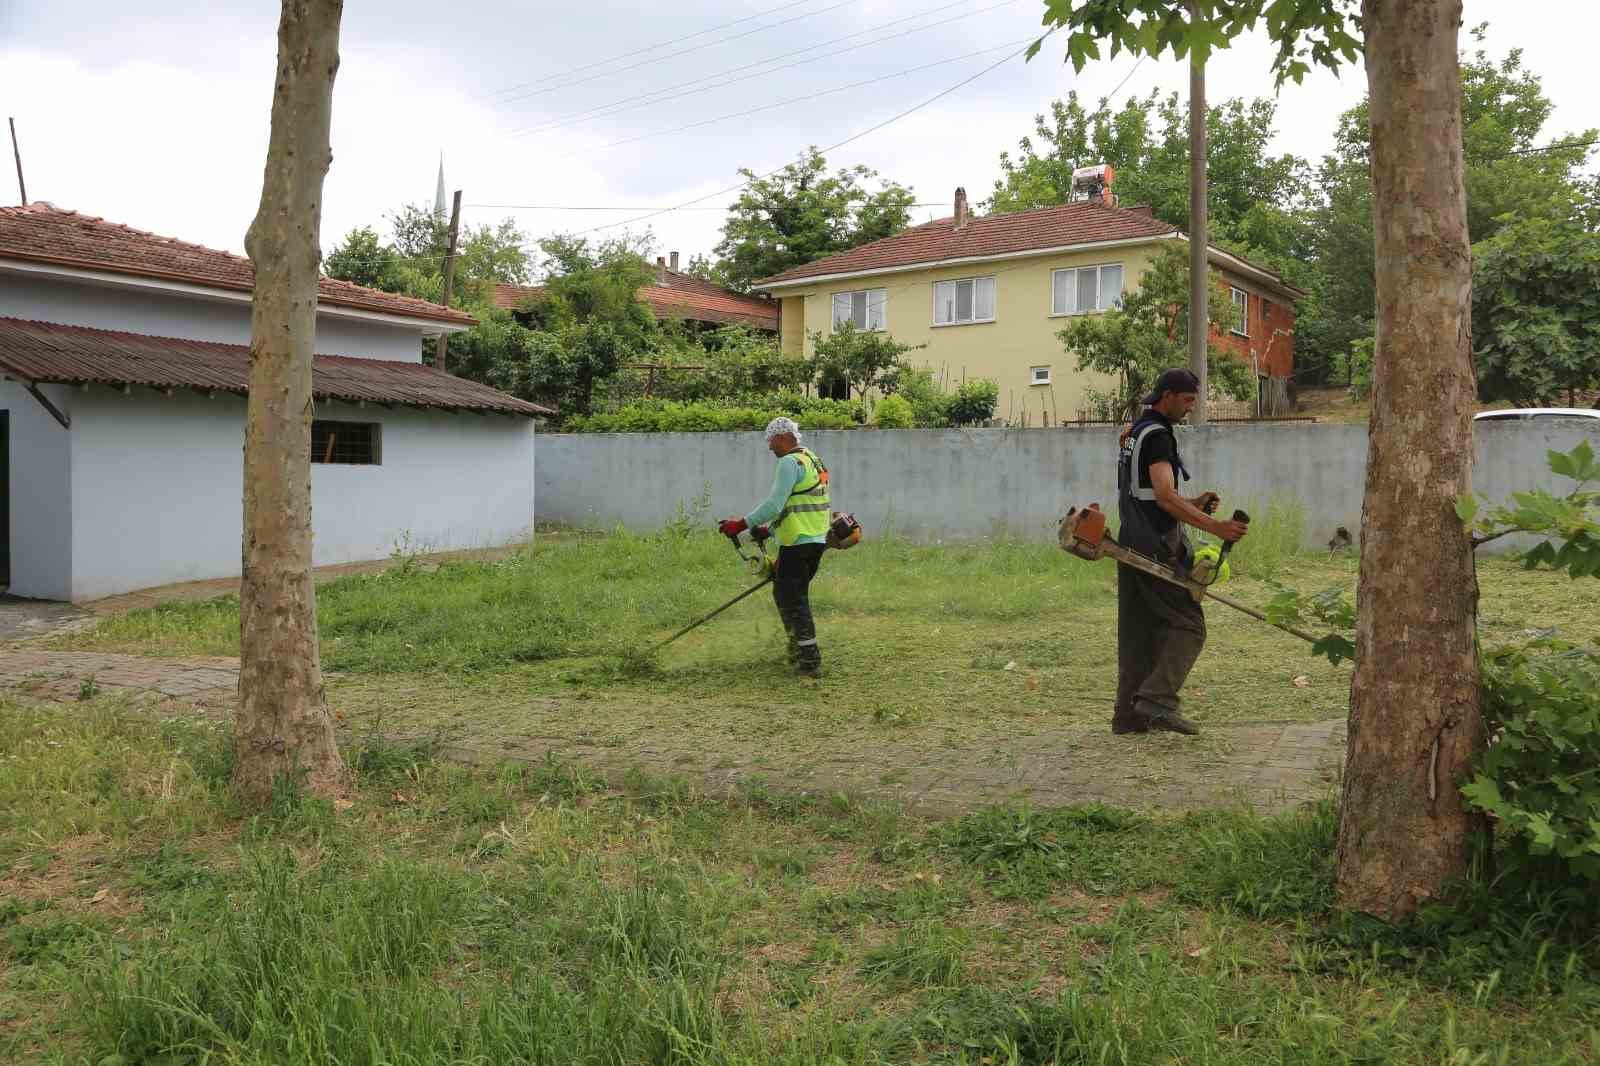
{"points": [[731, 527], [761, 533]]}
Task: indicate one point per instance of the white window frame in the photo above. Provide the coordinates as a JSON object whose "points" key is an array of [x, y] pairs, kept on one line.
{"points": [[954, 285], [1240, 324], [871, 299], [1035, 379], [1058, 311]]}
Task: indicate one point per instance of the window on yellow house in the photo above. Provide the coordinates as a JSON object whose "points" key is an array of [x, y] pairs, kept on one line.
{"points": [[1082, 290], [959, 302], [864, 308]]}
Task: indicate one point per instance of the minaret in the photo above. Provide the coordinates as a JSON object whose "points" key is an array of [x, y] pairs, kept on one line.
{"points": [[438, 196]]}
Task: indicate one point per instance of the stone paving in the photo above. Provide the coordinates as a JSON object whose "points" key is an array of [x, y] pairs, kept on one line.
{"points": [[1267, 765]]}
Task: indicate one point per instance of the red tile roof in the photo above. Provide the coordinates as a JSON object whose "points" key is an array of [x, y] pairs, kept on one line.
{"points": [[47, 352], [42, 233], [1083, 222], [681, 296]]}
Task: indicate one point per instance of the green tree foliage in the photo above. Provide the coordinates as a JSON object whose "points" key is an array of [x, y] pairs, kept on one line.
{"points": [[859, 358], [1254, 196], [1149, 333], [893, 412], [1504, 113], [974, 401], [1536, 312], [801, 214]]}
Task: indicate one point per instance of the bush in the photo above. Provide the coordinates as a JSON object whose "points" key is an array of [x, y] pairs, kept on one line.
{"points": [[893, 412], [711, 416], [974, 401], [1355, 367], [1538, 779], [930, 408]]}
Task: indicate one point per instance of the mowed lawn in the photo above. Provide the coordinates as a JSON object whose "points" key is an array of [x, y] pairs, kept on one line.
{"points": [[525, 914], [931, 644]]}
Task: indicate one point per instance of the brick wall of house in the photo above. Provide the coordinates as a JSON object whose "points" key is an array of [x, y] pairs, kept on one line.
{"points": [[1270, 329]]}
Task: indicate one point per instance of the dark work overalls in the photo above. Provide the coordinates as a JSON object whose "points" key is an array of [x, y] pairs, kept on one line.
{"points": [[1160, 627]]}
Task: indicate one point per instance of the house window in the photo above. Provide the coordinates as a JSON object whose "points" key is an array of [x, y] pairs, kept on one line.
{"points": [[1266, 310], [1086, 289], [1039, 375], [864, 308], [1241, 312], [958, 302], [347, 442]]}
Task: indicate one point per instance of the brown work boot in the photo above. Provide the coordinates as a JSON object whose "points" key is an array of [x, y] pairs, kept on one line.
{"points": [[1129, 722]]}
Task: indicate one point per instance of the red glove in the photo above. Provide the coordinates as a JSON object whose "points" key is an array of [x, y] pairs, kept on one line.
{"points": [[731, 527]]}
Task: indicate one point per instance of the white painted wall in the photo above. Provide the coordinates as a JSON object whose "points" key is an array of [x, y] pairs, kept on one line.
{"points": [[192, 318], [157, 488], [41, 501]]}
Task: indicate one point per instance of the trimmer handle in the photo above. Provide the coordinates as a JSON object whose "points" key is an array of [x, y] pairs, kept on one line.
{"points": [[1227, 545]]}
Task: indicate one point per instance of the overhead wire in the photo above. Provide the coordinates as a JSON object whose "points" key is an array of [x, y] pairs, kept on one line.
{"points": [[664, 95], [674, 55], [651, 48]]}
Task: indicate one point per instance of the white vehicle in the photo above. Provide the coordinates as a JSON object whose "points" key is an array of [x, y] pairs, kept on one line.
{"points": [[1519, 413]]}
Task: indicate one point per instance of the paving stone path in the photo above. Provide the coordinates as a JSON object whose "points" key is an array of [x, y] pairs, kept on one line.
{"points": [[1268, 765]]}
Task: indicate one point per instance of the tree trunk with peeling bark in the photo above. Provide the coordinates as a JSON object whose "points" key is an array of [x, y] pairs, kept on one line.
{"points": [[1415, 721], [283, 730]]}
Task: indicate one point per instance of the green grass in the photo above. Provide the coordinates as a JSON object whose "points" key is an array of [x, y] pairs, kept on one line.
{"points": [[525, 914]]}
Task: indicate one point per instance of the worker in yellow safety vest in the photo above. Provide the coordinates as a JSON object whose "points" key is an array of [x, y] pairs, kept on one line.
{"points": [[796, 512]]}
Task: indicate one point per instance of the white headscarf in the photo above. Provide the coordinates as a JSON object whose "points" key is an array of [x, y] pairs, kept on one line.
{"points": [[781, 425]]}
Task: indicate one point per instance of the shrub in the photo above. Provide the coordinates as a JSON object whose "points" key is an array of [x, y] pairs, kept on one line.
{"points": [[974, 401], [930, 408], [893, 412], [710, 416]]}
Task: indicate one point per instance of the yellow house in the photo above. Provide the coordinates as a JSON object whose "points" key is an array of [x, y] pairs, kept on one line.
{"points": [[986, 296]]}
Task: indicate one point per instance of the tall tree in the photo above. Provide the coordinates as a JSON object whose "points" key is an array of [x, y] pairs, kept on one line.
{"points": [[1415, 719], [283, 731], [801, 214]]}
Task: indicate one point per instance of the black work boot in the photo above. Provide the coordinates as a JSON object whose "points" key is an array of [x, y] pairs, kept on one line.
{"points": [[1128, 722], [1164, 719], [808, 660]]}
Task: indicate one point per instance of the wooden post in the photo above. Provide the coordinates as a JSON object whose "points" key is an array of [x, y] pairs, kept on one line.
{"points": [[449, 277], [17, 154], [1199, 314]]}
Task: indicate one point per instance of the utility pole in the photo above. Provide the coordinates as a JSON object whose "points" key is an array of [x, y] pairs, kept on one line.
{"points": [[17, 154], [1199, 314], [449, 275]]}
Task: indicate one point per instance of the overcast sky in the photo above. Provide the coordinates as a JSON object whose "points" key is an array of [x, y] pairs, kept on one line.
{"points": [[158, 118]]}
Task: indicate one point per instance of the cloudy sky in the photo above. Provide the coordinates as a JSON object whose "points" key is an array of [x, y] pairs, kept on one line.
{"points": [[158, 118]]}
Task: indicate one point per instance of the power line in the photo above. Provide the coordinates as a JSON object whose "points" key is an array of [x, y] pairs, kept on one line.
{"points": [[587, 207], [645, 99], [781, 103], [964, 82], [674, 55], [1554, 147], [651, 48]]}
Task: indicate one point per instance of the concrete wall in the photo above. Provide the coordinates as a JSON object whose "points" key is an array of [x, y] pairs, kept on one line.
{"points": [[157, 486], [932, 484], [41, 488], [192, 318]]}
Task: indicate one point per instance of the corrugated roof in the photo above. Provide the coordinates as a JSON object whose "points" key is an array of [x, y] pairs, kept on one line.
{"points": [[680, 296], [48, 352], [43, 233]]}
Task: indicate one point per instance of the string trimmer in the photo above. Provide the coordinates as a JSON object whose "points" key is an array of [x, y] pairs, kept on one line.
{"points": [[1083, 533], [843, 532]]}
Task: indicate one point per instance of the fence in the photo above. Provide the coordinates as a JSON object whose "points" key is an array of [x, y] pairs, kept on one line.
{"points": [[963, 484]]}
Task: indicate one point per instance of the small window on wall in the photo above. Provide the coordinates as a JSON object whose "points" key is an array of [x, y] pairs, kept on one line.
{"points": [[957, 303], [863, 308], [1241, 312], [1039, 375], [359, 443]]}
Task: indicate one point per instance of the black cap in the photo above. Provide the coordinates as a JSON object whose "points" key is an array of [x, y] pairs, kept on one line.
{"points": [[1175, 379]]}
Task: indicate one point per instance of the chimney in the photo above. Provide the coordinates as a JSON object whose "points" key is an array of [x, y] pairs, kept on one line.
{"points": [[1142, 209], [661, 270], [673, 266], [963, 213]]}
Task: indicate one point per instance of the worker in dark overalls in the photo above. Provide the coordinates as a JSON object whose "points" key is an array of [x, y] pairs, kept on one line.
{"points": [[1160, 627]]}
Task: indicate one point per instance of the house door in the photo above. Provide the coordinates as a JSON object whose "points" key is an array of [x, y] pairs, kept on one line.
{"points": [[5, 498]]}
